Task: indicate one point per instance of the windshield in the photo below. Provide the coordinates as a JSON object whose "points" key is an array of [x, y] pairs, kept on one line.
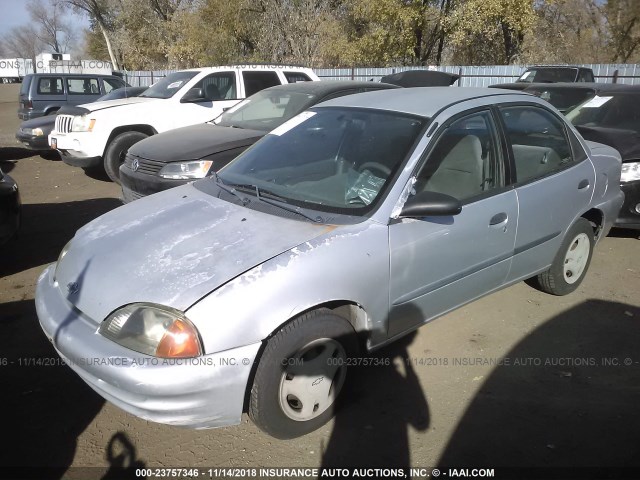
{"points": [[564, 99], [337, 160], [265, 110], [611, 111], [169, 85], [549, 75]]}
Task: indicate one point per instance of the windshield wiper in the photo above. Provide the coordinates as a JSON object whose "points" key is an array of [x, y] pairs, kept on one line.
{"points": [[228, 189], [284, 206]]}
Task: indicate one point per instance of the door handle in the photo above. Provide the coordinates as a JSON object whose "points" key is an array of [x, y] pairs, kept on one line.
{"points": [[583, 184], [498, 219]]}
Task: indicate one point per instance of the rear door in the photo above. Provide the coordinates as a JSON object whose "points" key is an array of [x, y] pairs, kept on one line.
{"points": [[553, 179], [49, 93], [254, 81]]}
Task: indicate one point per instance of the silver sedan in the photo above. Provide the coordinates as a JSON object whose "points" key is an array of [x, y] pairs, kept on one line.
{"points": [[342, 230]]}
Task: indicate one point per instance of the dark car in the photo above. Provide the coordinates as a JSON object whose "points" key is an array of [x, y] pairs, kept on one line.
{"points": [[567, 96], [544, 74], [182, 155], [9, 207], [612, 117], [421, 78], [33, 134], [45, 93]]}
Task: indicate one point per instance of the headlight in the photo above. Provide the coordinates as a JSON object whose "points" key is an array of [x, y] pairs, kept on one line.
{"points": [[186, 170], [36, 132], [82, 123], [630, 172], [153, 330], [64, 251]]}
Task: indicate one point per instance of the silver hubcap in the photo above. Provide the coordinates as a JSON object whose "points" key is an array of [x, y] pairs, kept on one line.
{"points": [[576, 258], [312, 379]]}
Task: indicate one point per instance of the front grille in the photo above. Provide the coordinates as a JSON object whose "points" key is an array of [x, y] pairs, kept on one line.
{"points": [[129, 195], [63, 123], [150, 167]]}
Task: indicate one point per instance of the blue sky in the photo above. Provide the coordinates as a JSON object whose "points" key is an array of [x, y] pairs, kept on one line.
{"points": [[14, 13]]}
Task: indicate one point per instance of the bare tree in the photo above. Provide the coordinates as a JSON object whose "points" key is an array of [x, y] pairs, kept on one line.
{"points": [[23, 42], [53, 28]]}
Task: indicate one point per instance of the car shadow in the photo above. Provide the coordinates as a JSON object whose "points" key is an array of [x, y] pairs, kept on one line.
{"points": [[47, 406], [15, 153], [45, 229], [384, 400], [566, 396], [123, 459], [624, 233]]}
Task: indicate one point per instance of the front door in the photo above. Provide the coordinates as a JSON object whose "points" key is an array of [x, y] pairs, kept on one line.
{"points": [[439, 263]]}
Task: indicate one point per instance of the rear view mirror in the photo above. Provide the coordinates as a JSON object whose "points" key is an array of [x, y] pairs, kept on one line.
{"points": [[428, 204]]}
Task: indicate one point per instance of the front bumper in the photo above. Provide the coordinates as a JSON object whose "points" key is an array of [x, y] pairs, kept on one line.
{"points": [[78, 149], [32, 142], [202, 392], [137, 184], [629, 216]]}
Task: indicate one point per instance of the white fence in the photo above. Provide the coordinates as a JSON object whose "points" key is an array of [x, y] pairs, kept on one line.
{"points": [[471, 76]]}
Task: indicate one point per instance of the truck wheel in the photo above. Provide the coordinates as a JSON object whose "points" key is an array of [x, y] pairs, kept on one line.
{"points": [[300, 375], [117, 149]]}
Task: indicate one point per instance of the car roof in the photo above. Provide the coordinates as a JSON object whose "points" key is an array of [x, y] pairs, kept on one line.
{"points": [[66, 74], [598, 87], [329, 86], [421, 101], [249, 66]]}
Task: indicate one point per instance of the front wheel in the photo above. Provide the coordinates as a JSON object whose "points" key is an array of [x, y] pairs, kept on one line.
{"points": [[571, 262], [117, 149], [301, 373]]}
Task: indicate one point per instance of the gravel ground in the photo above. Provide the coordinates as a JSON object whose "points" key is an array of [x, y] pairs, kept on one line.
{"points": [[517, 379]]}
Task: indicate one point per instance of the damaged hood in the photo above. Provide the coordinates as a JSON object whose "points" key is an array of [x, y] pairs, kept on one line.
{"points": [[194, 142], [172, 248]]}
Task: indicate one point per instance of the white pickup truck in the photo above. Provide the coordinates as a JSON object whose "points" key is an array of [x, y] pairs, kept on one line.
{"points": [[100, 133]]}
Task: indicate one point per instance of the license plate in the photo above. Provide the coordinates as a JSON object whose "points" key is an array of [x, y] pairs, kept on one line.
{"points": [[54, 143]]}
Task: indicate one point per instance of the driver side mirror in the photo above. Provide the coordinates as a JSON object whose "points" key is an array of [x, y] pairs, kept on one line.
{"points": [[193, 95], [429, 204]]}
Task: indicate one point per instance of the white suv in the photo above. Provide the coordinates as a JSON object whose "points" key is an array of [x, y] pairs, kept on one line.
{"points": [[100, 133]]}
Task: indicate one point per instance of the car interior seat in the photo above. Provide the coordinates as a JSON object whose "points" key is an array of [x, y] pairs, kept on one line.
{"points": [[461, 170]]}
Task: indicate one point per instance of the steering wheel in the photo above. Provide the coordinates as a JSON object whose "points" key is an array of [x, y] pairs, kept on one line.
{"points": [[375, 166]]}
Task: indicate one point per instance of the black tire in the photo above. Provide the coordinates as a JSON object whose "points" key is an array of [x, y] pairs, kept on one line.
{"points": [[116, 150], [307, 338], [554, 280]]}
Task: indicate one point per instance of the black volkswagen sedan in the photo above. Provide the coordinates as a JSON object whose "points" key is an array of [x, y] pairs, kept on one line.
{"points": [[34, 133], [9, 207], [182, 155]]}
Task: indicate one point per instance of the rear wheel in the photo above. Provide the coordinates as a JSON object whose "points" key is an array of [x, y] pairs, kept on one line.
{"points": [[116, 151], [301, 373], [571, 262]]}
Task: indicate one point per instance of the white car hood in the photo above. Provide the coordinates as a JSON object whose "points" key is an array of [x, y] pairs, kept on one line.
{"points": [[172, 248], [94, 106]]}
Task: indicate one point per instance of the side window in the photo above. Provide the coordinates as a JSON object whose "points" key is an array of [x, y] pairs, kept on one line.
{"points": [[83, 86], [50, 86], [256, 81], [466, 160], [219, 86], [111, 84], [538, 140], [294, 77], [585, 76]]}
